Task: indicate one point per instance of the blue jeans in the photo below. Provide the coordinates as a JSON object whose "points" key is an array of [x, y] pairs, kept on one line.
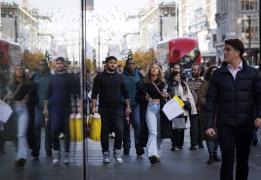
{"points": [[22, 125], [212, 146], [135, 121], [153, 123]]}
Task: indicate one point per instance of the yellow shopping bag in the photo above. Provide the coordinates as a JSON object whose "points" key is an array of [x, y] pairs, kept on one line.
{"points": [[72, 126], [78, 128], [95, 127]]}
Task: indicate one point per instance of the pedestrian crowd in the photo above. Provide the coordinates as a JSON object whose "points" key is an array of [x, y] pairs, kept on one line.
{"points": [[222, 105]]}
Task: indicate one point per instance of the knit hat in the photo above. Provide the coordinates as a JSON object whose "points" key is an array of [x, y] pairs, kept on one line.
{"points": [[237, 44]]}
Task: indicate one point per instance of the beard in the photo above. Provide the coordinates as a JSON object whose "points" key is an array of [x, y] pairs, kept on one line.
{"points": [[111, 69]]}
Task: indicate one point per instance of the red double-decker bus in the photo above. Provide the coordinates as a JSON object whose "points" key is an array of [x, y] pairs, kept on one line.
{"points": [[10, 54], [184, 51]]}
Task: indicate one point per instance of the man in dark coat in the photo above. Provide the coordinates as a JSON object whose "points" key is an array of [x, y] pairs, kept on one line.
{"points": [[235, 95]]}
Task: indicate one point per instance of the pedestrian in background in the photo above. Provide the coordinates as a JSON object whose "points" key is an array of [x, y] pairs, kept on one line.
{"points": [[181, 89], [212, 144], [234, 97], [42, 78], [195, 125], [131, 77]]}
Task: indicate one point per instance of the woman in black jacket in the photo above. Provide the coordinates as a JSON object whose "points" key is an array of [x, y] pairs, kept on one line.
{"points": [[151, 94], [21, 93]]}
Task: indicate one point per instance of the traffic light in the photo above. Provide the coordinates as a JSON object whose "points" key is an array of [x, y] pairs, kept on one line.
{"points": [[129, 55], [48, 56]]}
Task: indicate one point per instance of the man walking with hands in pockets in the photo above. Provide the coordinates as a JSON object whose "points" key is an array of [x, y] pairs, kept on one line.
{"points": [[234, 99]]}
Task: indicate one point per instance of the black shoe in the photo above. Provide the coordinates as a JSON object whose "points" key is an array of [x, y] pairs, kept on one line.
{"points": [[210, 160], [140, 151], [201, 146], [153, 159], [20, 162], [193, 148], [126, 151], [49, 153], [35, 154], [216, 158], [254, 143]]}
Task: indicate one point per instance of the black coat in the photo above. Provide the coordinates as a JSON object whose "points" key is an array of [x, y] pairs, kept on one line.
{"points": [[237, 102], [165, 124]]}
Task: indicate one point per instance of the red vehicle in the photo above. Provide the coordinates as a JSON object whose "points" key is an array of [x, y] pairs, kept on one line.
{"points": [[180, 50], [10, 54]]}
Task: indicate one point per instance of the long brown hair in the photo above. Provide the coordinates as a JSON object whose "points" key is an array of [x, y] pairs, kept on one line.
{"points": [[148, 78], [14, 78]]}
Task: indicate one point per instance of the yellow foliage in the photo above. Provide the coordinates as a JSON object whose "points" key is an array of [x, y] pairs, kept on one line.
{"points": [[144, 58], [90, 65], [121, 62], [31, 59]]}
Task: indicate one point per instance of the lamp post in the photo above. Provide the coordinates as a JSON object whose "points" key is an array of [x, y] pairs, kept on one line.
{"points": [[249, 32], [161, 27]]}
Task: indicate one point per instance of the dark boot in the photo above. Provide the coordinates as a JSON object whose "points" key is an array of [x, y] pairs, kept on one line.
{"points": [[215, 157], [211, 159]]}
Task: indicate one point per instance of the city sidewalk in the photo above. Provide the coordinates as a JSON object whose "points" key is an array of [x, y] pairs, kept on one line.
{"points": [[182, 165]]}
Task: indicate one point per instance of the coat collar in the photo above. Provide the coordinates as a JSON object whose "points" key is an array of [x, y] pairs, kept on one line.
{"points": [[224, 65]]}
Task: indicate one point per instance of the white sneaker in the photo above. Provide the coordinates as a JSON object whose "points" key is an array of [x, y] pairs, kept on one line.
{"points": [[56, 157], [66, 158], [106, 157], [55, 161], [117, 156]]}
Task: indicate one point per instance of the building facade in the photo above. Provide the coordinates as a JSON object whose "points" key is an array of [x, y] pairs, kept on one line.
{"points": [[19, 25], [239, 19], [158, 24], [197, 20]]}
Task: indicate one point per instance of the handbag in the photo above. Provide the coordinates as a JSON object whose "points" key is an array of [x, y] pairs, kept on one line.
{"points": [[178, 123]]}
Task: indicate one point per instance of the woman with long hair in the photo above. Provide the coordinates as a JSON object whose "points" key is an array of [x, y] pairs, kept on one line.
{"points": [[152, 94], [20, 93], [181, 89]]}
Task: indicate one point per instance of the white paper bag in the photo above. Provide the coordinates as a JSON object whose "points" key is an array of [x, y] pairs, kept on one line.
{"points": [[172, 109], [5, 111]]}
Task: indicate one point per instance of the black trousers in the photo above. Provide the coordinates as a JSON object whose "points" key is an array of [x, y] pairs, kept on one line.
{"points": [[234, 140], [193, 129], [111, 118], [178, 135]]}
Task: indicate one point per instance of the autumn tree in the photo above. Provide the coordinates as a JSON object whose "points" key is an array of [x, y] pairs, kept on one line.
{"points": [[31, 59], [144, 58]]}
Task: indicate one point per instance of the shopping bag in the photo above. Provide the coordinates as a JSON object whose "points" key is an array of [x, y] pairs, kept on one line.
{"points": [[94, 124], [72, 127], [78, 128], [5, 111], [178, 123], [173, 108]]}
